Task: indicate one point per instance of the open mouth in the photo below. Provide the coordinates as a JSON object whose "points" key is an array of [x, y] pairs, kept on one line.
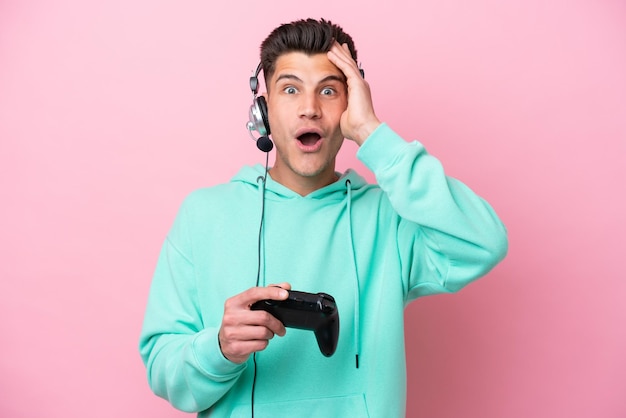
{"points": [[309, 138]]}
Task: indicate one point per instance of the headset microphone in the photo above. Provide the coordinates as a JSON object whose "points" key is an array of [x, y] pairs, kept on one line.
{"points": [[264, 144]]}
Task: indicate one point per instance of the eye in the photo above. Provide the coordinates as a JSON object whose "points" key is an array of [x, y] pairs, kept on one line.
{"points": [[327, 91], [290, 90]]}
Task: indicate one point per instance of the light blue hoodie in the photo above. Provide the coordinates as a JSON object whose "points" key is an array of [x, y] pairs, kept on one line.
{"points": [[374, 248]]}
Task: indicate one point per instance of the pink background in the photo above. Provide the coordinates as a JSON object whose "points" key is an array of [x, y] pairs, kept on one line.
{"points": [[111, 112]]}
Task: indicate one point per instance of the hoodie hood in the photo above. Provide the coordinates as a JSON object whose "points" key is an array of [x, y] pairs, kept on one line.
{"points": [[253, 175]]}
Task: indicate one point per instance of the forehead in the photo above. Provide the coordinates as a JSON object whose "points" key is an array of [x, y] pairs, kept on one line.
{"points": [[307, 68]]}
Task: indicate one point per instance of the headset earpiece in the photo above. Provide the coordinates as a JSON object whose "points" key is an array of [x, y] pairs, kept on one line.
{"points": [[258, 119], [262, 105]]}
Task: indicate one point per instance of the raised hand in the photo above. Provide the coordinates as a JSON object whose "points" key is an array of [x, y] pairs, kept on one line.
{"points": [[359, 120]]}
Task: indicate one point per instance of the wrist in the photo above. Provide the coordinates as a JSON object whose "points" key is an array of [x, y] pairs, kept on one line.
{"points": [[366, 130]]}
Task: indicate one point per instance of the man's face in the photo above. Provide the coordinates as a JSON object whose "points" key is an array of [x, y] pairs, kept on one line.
{"points": [[306, 98]]}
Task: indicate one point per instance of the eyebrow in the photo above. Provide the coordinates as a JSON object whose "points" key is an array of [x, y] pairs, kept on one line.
{"points": [[331, 77]]}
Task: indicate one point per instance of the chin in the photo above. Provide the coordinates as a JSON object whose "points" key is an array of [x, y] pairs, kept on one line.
{"points": [[313, 171], [308, 172], [306, 165]]}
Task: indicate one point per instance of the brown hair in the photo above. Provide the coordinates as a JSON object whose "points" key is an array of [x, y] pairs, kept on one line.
{"points": [[307, 35]]}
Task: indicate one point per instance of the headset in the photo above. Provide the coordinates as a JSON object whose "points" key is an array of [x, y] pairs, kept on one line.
{"points": [[257, 115]]}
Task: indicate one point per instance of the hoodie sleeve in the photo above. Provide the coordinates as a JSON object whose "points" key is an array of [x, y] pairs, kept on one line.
{"points": [[183, 360], [447, 235]]}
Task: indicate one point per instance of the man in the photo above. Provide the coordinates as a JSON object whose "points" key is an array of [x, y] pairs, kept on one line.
{"points": [[374, 248]]}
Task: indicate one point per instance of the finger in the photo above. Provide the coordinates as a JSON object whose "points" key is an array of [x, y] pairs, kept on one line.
{"points": [[263, 318], [341, 57], [238, 350], [254, 294], [342, 50], [261, 330], [283, 285], [270, 323], [253, 328], [240, 322], [244, 316], [246, 325], [346, 48]]}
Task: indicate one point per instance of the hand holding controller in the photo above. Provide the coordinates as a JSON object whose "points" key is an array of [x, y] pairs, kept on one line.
{"points": [[310, 311]]}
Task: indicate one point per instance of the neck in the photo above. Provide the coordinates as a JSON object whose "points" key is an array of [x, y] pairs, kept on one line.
{"points": [[304, 185]]}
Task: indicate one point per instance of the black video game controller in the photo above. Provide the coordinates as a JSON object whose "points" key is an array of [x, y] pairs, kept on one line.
{"points": [[309, 311]]}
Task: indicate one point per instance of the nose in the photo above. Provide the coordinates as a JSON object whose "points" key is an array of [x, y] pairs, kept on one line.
{"points": [[309, 106]]}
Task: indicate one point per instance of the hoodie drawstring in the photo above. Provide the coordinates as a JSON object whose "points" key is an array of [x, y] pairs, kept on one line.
{"points": [[261, 181], [357, 289]]}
